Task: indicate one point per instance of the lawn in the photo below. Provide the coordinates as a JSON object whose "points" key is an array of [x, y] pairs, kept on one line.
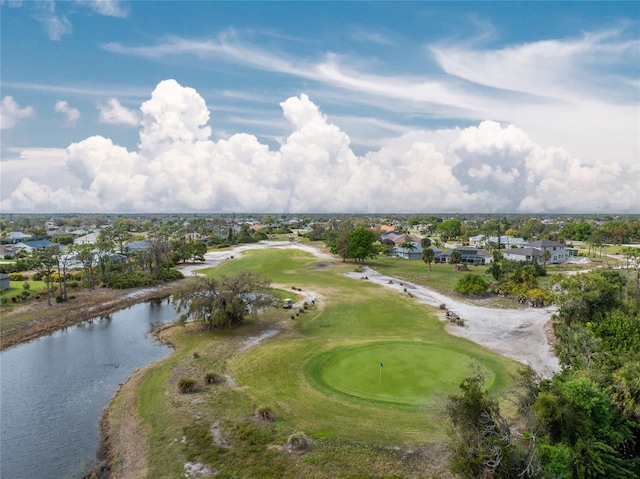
{"points": [[321, 375]]}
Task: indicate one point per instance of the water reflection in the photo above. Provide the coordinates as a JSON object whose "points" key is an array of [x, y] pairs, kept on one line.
{"points": [[53, 389]]}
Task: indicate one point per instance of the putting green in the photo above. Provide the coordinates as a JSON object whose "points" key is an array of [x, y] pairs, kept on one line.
{"points": [[411, 373]]}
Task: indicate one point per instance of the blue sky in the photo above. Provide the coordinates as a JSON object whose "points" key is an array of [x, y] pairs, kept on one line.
{"points": [[357, 107]]}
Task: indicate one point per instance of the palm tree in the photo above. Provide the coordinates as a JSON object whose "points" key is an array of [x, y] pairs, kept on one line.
{"points": [[428, 256], [456, 257], [425, 243], [408, 245], [546, 256]]}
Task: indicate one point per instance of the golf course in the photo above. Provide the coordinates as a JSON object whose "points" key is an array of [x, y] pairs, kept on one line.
{"points": [[364, 373]]}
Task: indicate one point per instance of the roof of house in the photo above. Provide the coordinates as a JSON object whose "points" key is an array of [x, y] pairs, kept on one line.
{"points": [[545, 244], [524, 252], [137, 245], [39, 244], [18, 235]]}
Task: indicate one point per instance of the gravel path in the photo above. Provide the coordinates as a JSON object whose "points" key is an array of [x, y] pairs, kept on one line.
{"points": [[516, 333]]}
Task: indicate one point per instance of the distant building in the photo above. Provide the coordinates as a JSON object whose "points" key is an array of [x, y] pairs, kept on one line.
{"points": [[5, 283], [15, 236], [31, 246]]}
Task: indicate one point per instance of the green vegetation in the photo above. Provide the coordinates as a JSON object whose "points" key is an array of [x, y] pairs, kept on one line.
{"points": [[583, 422], [312, 378], [471, 284]]}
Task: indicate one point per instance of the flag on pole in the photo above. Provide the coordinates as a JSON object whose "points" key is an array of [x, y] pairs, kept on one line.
{"points": [[381, 365], [380, 375]]}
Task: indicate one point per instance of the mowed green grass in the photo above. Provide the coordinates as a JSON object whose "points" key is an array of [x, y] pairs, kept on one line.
{"points": [[319, 374], [393, 372]]}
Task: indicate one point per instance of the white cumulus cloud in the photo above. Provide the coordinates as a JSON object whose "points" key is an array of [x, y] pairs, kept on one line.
{"points": [[71, 113], [113, 113], [11, 113], [178, 167]]}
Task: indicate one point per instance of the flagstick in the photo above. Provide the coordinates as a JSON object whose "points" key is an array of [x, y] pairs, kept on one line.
{"points": [[380, 378]]}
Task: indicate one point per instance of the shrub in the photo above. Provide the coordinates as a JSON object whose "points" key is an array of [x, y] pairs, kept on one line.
{"points": [[17, 277], [213, 378], [298, 441], [25, 294], [14, 299], [188, 385], [443, 306], [170, 274], [471, 284], [73, 284], [265, 413], [129, 280]]}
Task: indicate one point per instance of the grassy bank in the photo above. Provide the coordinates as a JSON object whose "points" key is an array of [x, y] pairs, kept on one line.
{"points": [[308, 376]]}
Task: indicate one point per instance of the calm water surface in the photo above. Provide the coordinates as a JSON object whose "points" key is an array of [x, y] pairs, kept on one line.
{"points": [[53, 390]]}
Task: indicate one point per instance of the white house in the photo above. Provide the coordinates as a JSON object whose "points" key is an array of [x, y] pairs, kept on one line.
{"points": [[557, 251], [89, 238], [523, 254]]}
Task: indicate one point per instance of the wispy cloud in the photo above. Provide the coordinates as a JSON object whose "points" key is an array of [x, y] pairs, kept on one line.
{"points": [[109, 8], [94, 91]]}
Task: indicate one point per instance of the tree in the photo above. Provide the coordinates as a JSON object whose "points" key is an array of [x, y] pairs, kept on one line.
{"points": [[408, 245], [86, 255], [471, 284], [481, 442], [449, 229], [361, 241], [45, 262], [224, 302], [546, 256], [456, 257], [428, 256], [425, 243]]}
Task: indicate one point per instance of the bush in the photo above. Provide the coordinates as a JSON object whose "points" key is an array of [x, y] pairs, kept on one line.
{"points": [[298, 441], [471, 284], [129, 280], [170, 274], [213, 378], [188, 385], [17, 277], [265, 413]]}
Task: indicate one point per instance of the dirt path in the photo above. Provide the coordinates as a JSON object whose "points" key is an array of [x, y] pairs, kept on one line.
{"points": [[516, 333]]}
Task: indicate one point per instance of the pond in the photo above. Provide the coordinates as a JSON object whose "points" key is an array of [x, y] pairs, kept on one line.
{"points": [[54, 389]]}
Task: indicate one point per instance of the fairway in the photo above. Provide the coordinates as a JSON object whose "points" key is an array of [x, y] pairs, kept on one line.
{"points": [[393, 372], [322, 372]]}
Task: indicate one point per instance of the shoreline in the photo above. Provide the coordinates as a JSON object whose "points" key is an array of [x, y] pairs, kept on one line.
{"points": [[71, 314]]}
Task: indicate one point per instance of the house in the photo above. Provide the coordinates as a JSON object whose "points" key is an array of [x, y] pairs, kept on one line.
{"points": [[5, 283], [16, 236], [393, 238], [137, 246], [556, 250], [31, 246], [524, 254], [89, 238], [7, 251], [472, 256], [482, 241], [407, 253]]}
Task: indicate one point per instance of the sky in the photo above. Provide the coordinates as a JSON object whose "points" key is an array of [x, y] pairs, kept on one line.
{"points": [[319, 107]]}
